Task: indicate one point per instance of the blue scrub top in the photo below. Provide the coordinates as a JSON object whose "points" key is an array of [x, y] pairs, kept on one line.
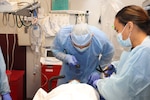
{"points": [[4, 84], [132, 79]]}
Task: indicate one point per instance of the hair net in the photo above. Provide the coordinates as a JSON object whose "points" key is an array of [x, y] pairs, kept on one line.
{"points": [[81, 34]]}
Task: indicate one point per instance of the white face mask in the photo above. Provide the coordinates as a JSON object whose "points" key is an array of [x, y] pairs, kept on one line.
{"points": [[81, 50], [124, 43]]}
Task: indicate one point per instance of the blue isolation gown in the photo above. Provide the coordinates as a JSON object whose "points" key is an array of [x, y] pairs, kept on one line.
{"points": [[4, 84], [88, 60], [132, 80]]}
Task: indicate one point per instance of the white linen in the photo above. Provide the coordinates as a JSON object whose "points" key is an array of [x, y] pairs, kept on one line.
{"points": [[79, 91]]}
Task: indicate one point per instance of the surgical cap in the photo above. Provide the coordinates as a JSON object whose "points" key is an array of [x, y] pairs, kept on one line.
{"points": [[81, 34]]}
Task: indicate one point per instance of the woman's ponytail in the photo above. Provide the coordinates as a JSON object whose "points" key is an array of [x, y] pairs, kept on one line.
{"points": [[148, 27]]}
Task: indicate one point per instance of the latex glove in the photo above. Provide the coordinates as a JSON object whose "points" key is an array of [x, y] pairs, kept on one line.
{"points": [[94, 76], [101, 98], [109, 70], [71, 60], [95, 84], [6, 97]]}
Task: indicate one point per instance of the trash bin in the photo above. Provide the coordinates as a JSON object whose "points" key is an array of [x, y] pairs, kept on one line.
{"points": [[16, 83]]}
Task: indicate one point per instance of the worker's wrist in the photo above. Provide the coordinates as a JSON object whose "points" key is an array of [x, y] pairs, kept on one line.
{"points": [[5, 93]]}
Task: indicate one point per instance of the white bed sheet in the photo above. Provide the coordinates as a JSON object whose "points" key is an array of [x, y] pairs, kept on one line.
{"points": [[68, 91]]}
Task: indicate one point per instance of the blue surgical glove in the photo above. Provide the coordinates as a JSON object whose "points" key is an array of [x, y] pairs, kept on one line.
{"points": [[71, 60], [95, 84], [93, 77], [109, 70], [101, 98], [6, 97]]}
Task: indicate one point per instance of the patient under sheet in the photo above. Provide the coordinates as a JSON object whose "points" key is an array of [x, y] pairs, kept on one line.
{"points": [[80, 91]]}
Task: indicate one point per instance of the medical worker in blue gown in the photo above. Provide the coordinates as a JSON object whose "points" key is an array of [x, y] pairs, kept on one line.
{"points": [[81, 48], [131, 80], [4, 84]]}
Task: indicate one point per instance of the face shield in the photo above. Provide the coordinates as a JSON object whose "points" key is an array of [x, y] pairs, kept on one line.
{"points": [[81, 37]]}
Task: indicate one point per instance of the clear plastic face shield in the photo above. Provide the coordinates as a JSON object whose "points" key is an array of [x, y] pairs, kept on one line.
{"points": [[81, 43], [82, 48]]}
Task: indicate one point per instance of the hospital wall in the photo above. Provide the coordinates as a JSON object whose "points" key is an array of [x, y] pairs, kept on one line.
{"points": [[101, 15]]}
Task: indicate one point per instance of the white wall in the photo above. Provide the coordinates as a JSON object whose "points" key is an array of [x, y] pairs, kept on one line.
{"points": [[91, 5]]}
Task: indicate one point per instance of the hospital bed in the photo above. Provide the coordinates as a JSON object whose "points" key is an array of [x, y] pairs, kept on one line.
{"points": [[53, 79], [68, 91]]}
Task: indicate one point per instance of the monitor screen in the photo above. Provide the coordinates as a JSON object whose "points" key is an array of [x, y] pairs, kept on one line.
{"points": [[48, 53]]}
